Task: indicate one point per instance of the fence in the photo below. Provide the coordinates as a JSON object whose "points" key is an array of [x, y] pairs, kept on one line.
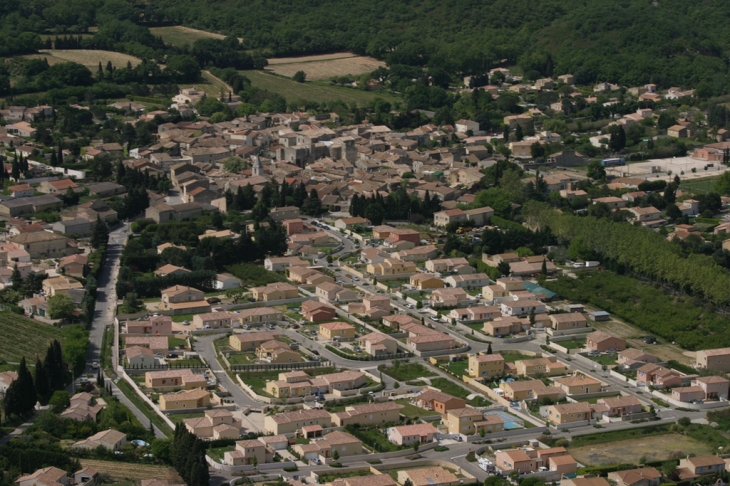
{"points": [[279, 366]]}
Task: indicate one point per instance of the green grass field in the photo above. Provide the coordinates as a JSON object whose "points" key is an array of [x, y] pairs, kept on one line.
{"points": [[178, 35], [699, 186], [209, 84], [20, 336], [318, 91], [408, 371]]}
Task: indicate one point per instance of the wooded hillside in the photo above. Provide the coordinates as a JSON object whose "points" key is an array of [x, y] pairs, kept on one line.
{"points": [[669, 42]]}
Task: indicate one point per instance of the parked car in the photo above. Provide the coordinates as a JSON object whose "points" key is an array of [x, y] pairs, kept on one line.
{"points": [[315, 352], [172, 355], [213, 300]]}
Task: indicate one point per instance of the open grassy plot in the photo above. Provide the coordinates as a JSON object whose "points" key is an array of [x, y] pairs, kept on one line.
{"points": [[210, 85], [654, 448], [325, 66], [456, 367], [375, 439], [576, 343], [20, 336], [217, 453], [89, 58], [177, 35], [407, 371], [318, 91], [120, 471], [257, 381], [412, 411], [179, 417], [699, 186]]}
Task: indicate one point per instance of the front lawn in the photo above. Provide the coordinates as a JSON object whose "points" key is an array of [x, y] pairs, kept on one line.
{"points": [[179, 417], [257, 381], [241, 358], [216, 453], [450, 387], [174, 342], [374, 439], [413, 412], [577, 343], [456, 367], [406, 371], [604, 359]]}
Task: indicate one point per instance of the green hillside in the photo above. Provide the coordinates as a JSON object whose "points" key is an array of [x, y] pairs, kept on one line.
{"points": [[20, 336], [669, 42]]}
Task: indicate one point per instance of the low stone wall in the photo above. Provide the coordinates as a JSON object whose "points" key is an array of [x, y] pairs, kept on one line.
{"points": [[442, 352], [155, 408], [567, 334], [244, 469], [693, 406]]}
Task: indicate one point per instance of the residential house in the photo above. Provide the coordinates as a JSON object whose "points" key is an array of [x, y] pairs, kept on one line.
{"points": [[250, 341], [693, 467], [248, 452], [48, 476], [540, 366], [522, 307], [367, 415], [523, 461], [337, 331], [331, 292], [139, 357], [290, 422], [43, 244], [179, 378], [438, 401], [377, 343], [169, 269], [531, 390], [314, 311], [486, 365], [185, 399], [449, 297], [476, 314], [341, 443], [634, 357], [579, 384], [183, 300], [569, 413], [645, 476], [448, 265], [468, 281], [216, 424], [274, 291], [110, 439], [602, 342], [563, 322], [257, 316], [470, 421], [443, 218], [417, 254], [713, 387], [157, 325], [424, 281], [618, 406], [717, 359], [73, 265], [428, 476], [212, 320], [407, 435]]}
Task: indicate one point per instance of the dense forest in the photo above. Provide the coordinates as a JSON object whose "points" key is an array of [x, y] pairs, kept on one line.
{"points": [[631, 42]]}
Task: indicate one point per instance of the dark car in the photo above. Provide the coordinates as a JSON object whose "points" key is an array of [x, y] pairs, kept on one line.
{"points": [[315, 352], [172, 355], [213, 300]]}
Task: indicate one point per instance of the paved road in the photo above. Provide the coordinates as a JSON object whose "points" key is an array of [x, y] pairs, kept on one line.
{"points": [[106, 297], [106, 303]]}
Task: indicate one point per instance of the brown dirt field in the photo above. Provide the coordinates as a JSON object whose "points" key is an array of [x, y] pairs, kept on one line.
{"points": [[634, 337], [120, 471], [325, 68], [89, 58], [179, 35], [656, 448]]}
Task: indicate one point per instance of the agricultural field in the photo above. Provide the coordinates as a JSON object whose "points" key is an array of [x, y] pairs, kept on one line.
{"points": [[20, 336], [653, 448], [210, 85], [89, 58], [120, 471], [325, 66], [699, 186], [318, 91], [178, 35]]}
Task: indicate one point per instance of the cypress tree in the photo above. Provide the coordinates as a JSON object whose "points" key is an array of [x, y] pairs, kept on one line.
{"points": [[42, 386], [489, 348], [54, 160]]}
